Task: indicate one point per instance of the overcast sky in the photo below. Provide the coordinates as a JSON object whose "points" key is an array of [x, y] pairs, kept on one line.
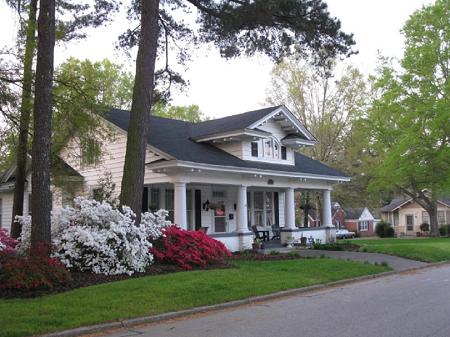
{"points": [[223, 87]]}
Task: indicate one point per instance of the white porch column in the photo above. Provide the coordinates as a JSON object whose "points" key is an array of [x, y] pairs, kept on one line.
{"points": [[241, 210], [180, 204], [326, 209], [290, 208]]}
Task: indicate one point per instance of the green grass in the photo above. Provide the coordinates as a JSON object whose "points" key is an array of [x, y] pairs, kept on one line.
{"points": [[423, 249], [172, 292]]}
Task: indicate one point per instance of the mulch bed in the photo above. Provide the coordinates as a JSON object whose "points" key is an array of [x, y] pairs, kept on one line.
{"points": [[253, 256]]}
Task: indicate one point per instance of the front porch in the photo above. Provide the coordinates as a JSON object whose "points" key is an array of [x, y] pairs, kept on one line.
{"points": [[234, 214]]}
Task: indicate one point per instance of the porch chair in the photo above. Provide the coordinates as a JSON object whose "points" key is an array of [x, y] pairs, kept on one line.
{"points": [[255, 231], [275, 232]]}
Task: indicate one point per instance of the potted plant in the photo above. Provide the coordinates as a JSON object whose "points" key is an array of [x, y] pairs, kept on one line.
{"points": [[257, 244]]}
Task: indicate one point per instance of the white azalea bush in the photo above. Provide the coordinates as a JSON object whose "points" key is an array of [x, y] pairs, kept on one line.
{"points": [[96, 237]]}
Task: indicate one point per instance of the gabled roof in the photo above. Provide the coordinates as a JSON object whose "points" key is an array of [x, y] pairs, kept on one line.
{"points": [[401, 201], [174, 138], [230, 123]]}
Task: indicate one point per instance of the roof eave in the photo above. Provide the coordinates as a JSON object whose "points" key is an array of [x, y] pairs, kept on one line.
{"points": [[236, 169]]}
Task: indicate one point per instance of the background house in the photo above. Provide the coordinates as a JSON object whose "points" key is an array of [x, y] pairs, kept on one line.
{"points": [[406, 215], [360, 220]]}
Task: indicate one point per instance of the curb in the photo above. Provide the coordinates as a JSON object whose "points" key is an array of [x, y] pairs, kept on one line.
{"points": [[227, 305]]}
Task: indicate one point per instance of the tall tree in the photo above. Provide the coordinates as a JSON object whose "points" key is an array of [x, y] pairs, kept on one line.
{"points": [[41, 198], [87, 15], [410, 117], [189, 113], [26, 108], [276, 28], [328, 102]]}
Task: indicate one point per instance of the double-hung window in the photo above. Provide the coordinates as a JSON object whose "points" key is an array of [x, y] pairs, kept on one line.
{"points": [[364, 226]]}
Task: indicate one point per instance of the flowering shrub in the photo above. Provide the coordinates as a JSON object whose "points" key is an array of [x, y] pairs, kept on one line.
{"points": [[33, 272], [7, 243], [94, 236], [188, 248]]}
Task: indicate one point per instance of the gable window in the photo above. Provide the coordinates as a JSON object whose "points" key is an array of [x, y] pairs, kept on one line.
{"points": [[364, 226], [90, 152], [283, 152], [254, 149]]}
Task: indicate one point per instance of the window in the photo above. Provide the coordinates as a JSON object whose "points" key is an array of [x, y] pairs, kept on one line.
{"points": [[258, 199], [441, 217], [254, 149], [425, 217], [90, 152], [1, 212], [170, 204], [269, 208], [268, 148], [409, 223], [154, 203], [283, 152], [220, 219], [364, 226]]}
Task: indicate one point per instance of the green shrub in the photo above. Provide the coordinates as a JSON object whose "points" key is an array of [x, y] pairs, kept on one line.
{"points": [[327, 246], [424, 227], [443, 230], [385, 230]]}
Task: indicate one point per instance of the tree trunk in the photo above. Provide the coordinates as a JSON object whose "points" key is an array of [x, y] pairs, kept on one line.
{"points": [[41, 197], [134, 166], [24, 123], [434, 226]]}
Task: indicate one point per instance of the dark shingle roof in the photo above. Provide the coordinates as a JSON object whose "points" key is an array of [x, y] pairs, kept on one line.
{"points": [[396, 202], [353, 213], [230, 123], [174, 138]]}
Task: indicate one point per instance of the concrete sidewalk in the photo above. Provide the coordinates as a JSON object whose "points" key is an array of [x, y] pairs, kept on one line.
{"points": [[395, 262]]}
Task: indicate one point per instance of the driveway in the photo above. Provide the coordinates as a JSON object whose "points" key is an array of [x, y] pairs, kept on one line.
{"points": [[411, 304]]}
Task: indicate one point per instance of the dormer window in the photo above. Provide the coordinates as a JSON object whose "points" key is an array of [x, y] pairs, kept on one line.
{"points": [[283, 152], [254, 149]]}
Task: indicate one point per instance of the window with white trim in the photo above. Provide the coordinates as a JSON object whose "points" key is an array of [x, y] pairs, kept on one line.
{"points": [[283, 153], [363, 226], [425, 217], [441, 217], [254, 149]]}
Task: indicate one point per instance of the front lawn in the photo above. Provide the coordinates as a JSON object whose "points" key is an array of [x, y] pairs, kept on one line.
{"points": [[153, 295], [423, 249]]}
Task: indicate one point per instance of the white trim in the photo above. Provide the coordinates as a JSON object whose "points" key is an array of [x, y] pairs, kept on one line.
{"points": [[234, 133], [289, 116], [298, 142], [234, 169]]}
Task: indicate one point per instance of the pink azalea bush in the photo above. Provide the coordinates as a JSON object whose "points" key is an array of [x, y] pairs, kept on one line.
{"points": [[7, 243], [188, 249]]}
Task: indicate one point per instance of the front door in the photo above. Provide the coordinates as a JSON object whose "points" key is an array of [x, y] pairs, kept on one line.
{"points": [[409, 223]]}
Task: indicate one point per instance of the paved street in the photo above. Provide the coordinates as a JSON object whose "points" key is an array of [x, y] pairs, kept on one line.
{"points": [[414, 304]]}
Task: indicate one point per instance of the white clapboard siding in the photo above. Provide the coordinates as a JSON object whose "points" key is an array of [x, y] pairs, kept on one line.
{"points": [[111, 161], [234, 148]]}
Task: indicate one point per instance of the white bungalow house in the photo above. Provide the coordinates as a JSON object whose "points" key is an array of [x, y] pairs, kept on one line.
{"points": [[227, 176]]}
